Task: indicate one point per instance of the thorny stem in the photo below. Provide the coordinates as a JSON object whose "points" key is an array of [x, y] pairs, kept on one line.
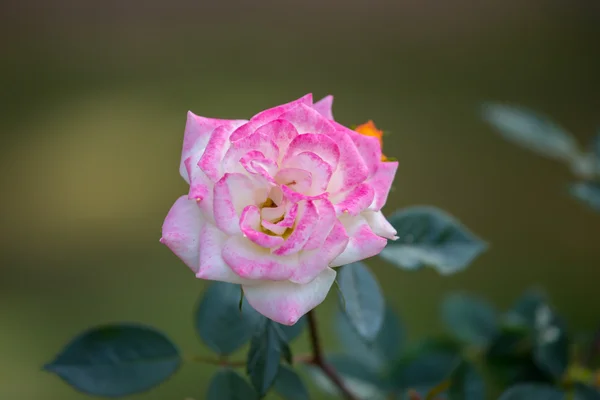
{"points": [[319, 361]]}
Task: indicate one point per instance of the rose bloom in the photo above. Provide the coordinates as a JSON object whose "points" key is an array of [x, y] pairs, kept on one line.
{"points": [[276, 202]]}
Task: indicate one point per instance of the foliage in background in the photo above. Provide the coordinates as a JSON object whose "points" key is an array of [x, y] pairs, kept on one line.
{"points": [[539, 134]]}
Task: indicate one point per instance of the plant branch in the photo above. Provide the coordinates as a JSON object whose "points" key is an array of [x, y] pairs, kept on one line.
{"points": [[319, 361]]}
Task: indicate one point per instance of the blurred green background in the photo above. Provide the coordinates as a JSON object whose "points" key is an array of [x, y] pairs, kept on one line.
{"points": [[92, 109]]}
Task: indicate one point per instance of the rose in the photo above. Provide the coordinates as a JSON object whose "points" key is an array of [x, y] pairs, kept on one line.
{"points": [[277, 201]]}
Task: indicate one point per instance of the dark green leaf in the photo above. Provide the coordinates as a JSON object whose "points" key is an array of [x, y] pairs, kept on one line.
{"points": [[289, 385], [551, 349], [228, 385], [531, 391], [116, 360], [378, 353], [293, 331], [425, 369], [532, 131], [430, 236], [219, 321], [522, 313], [267, 347], [588, 193], [586, 393], [466, 383], [365, 306], [470, 319]]}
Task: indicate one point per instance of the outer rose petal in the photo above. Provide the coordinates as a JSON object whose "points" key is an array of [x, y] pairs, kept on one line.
{"points": [[285, 302], [212, 265], [323, 107], [380, 225], [363, 242], [251, 261], [369, 149], [382, 183], [181, 231], [267, 116], [308, 120], [210, 162], [196, 136]]}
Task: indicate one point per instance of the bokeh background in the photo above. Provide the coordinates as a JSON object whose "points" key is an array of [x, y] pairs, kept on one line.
{"points": [[93, 99]]}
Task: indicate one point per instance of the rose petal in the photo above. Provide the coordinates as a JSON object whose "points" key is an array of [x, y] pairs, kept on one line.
{"points": [[321, 145], [281, 132], [285, 302], [196, 136], [323, 106], [232, 193], [300, 180], [255, 142], [320, 170], [381, 182], [363, 242], [352, 169], [354, 201], [266, 116], [313, 262], [380, 225], [369, 149], [305, 224], [250, 226], [280, 227], [210, 162], [251, 261], [307, 120], [326, 222], [181, 231], [212, 265]]}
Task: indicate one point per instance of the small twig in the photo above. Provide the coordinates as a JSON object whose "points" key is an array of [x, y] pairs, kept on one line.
{"points": [[319, 361]]}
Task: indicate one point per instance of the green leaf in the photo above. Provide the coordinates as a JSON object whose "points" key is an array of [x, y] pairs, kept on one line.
{"points": [[365, 306], [551, 349], [116, 360], [583, 392], [466, 383], [430, 236], [378, 353], [532, 131], [357, 377], [470, 319], [289, 385], [588, 193], [293, 331], [425, 369], [229, 385], [219, 321], [522, 313], [532, 391], [267, 347]]}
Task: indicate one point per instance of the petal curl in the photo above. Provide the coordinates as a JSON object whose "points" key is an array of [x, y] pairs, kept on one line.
{"points": [[363, 243], [250, 226], [319, 170], [321, 145], [181, 231], [211, 160], [380, 225], [382, 183], [285, 302], [281, 132], [254, 142], [305, 224]]}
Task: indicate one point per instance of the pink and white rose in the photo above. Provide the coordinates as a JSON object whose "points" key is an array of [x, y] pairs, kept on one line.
{"points": [[276, 202]]}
